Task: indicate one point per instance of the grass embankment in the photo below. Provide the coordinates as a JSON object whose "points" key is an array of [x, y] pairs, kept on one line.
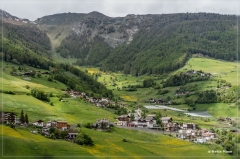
{"points": [[21, 142]]}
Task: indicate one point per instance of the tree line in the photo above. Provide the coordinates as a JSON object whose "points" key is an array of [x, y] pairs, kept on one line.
{"points": [[14, 50]]}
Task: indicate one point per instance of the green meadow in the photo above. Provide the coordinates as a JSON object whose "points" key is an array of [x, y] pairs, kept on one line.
{"points": [[220, 70], [224, 70], [73, 111], [107, 144], [23, 143]]}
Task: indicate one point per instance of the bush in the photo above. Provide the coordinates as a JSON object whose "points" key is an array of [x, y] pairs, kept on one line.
{"points": [[157, 87], [83, 139], [9, 92], [50, 79], [27, 86], [39, 94], [88, 125], [148, 83]]}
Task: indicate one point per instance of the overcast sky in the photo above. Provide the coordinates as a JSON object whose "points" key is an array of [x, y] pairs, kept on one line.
{"points": [[33, 9]]}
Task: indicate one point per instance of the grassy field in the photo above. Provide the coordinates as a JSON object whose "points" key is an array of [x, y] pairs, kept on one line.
{"points": [[220, 70], [73, 111], [59, 58], [220, 109], [19, 83], [107, 144], [224, 70]]}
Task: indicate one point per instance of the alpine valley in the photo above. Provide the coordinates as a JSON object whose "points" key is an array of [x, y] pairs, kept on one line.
{"points": [[89, 85]]}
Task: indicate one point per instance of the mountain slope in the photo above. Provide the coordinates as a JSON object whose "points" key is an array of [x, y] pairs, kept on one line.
{"points": [[140, 44], [26, 44], [167, 49]]}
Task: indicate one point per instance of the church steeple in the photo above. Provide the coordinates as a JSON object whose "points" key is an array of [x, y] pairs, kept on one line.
{"points": [[139, 112]]}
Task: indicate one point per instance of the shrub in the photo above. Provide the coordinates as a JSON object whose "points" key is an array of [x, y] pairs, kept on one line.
{"points": [[27, 86], [88, 125], [50, 79], [9, 92], [148, 83], [83, 139]]}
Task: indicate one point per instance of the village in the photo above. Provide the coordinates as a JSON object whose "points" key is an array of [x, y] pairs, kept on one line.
{"points": [[185, 131], [99, 102], [136, 120], [52, 129]]}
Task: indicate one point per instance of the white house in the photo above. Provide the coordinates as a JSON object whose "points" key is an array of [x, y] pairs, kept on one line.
{"points": [[38, 123], [166, 120], [151, 121], [141, 123], [200, 140], [123, 120], [51, 124], [209, 136], [186, 126]]}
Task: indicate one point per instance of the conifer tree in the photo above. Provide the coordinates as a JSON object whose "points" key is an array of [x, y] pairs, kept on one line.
{"points": [[26, 118], [22, 120]]}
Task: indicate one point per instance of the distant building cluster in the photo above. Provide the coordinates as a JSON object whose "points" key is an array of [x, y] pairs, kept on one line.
{"points": [[99, 102], [185, 131]]}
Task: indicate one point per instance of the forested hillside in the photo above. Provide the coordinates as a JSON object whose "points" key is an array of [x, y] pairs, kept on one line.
{"points": [[149, 44], [135, 44], [26, 44], [169, 48]]}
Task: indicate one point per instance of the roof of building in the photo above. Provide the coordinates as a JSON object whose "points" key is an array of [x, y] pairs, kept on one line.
{"points": [[151, 115], [39, 121], [150, 118], [123, 116], [166, 118], [8, 113], [61, 121]]}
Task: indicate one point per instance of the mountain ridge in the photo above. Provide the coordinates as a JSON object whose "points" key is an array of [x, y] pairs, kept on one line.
{"points": [[140, 44]]}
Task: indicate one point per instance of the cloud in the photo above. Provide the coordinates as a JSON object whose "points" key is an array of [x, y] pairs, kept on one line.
{"points": [[33, 9]]}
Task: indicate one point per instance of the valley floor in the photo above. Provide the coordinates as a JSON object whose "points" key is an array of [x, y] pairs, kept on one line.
{"points": [[137, 144]]}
